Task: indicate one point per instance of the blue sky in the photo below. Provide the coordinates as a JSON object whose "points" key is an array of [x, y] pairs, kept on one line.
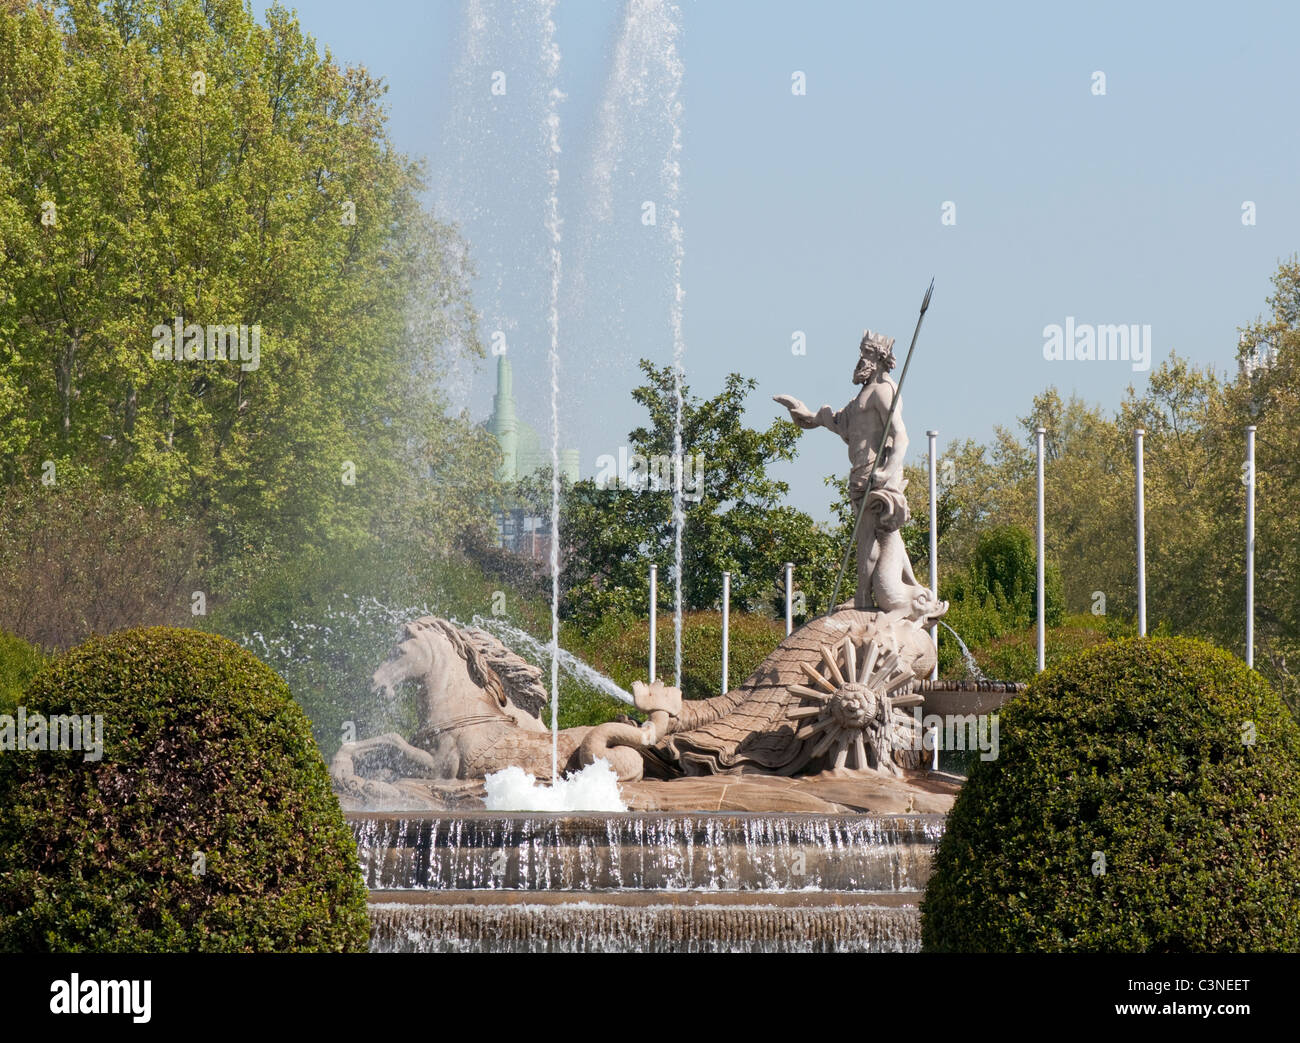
{"points": [[821, 212]]}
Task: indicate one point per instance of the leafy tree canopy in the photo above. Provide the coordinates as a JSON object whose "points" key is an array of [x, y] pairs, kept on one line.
{"points": [[734, 518], [165, 160]]}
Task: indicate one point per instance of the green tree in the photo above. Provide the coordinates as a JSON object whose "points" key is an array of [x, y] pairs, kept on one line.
{"points": [[734, 518], [164, 159], [1005, 568], [1267, 396]]}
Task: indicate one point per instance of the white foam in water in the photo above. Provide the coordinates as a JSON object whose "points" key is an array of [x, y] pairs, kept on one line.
{"points": [[594, 788]]}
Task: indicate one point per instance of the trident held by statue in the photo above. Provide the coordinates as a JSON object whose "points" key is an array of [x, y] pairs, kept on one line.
{"points": [[873, 420], [884, 438]]}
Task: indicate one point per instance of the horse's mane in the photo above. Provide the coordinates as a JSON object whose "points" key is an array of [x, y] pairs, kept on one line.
{"points": [[492, 666]]}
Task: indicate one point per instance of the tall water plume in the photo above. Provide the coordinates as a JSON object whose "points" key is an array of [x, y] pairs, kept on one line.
{"points": [[551, 57], [643, 104]]}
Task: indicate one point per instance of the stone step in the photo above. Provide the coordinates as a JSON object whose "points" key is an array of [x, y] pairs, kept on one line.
{"points": [[646, 851], [642, 921]]}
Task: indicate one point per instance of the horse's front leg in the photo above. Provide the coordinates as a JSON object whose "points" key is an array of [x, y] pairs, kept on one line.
{"points": [[366, 769]]}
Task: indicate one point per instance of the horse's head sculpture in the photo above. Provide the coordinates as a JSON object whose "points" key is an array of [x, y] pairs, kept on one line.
{"points": [[460, 672], [411, 659]]}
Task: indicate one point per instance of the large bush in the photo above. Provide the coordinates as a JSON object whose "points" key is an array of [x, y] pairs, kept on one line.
{"points": [[1145, 798], [620, 650], [19, 663], [78, 559], [208, 824], [996, 596], [1004, 572], [1013, 656]]}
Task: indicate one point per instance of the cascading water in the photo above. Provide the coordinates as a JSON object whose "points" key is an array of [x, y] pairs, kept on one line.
{"points": [[645, 882], [488, 926], [630, 881], [638, 851], [301, 641]]}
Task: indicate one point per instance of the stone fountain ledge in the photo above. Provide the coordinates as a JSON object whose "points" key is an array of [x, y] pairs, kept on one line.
{"points": [[827, 793]]}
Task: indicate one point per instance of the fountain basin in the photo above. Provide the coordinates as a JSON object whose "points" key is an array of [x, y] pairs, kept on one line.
{"points": [[958, 698]]}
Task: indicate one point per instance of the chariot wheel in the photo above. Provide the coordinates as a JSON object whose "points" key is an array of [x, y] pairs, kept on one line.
{"points": [[849, 703]]}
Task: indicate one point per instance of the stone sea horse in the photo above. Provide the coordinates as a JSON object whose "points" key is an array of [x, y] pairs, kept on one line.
{"points": [[477, 706], [834, 695]]}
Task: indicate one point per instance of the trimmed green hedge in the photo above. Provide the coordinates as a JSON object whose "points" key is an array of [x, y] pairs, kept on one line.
{"points": [[1167, 758], [19, 663], [620, 650], [1014, 656], [208, 825]]}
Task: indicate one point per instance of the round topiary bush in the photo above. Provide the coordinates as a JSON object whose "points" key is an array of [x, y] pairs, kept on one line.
{"points": [[1146, 798], [208, 824]]}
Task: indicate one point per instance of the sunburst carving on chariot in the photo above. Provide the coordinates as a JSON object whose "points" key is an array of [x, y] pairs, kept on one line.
{"points": [[850, 703]]}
